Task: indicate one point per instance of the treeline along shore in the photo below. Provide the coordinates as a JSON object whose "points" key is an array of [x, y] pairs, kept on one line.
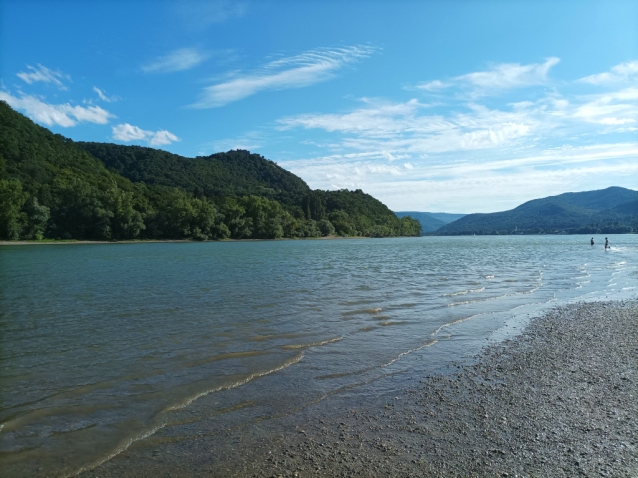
{"points": [[558, 400], [54, 188]]}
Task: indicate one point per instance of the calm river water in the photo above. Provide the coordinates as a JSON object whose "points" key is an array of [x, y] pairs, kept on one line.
{"points": [[104, 345]]}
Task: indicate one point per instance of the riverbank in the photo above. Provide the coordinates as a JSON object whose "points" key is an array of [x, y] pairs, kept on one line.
{"points": [[558, 400], [148, 241]]}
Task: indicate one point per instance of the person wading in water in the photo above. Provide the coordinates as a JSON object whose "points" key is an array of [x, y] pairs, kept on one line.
{"points": [[607, 244], [592, 241]]}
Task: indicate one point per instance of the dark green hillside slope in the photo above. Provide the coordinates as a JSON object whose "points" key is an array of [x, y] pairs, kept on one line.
{"points": [[232, 174], [51, 188], [610, 210]]}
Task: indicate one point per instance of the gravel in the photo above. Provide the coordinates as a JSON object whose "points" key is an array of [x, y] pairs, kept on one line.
{"points": [[558, 400]]}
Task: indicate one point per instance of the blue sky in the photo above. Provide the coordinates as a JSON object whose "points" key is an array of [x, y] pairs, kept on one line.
{"points": [[429, 106]]}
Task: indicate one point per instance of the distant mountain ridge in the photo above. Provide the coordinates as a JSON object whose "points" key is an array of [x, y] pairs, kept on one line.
{"points": [[430, 221], [609, 211]]}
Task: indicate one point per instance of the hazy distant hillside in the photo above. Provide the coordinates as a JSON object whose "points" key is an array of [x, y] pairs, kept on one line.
{"points": [[446, 217], [611, 210], [431, 221]]}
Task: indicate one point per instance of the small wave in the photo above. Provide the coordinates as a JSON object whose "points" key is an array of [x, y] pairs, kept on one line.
{"points": [[465, 302], [312, 344], [236, 384], [393, 322], [489, 277], [363, 311], [453, 294], [409, 351], [118, 450], [463, 292], [261, 338]]}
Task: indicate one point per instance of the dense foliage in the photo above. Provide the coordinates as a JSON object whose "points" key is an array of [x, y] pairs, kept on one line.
{"points": [[52, 188], [232, 174], [609, 211]]}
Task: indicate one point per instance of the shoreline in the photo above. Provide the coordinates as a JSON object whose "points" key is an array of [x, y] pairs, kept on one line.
{"points": [[559, 399], [151, 241]]}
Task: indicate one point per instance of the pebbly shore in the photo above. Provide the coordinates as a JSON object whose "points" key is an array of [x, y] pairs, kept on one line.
{"points": [[559, 400]]}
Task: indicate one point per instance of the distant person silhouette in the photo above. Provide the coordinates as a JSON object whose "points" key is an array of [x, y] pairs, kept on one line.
{"points": [[607, 244], [592, 241]]}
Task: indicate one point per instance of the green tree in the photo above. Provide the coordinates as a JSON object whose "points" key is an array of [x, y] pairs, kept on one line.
{"points": [[37, 219], [12, 218]]}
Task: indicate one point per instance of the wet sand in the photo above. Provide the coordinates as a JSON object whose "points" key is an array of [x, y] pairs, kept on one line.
{"points": [[558, 400]]}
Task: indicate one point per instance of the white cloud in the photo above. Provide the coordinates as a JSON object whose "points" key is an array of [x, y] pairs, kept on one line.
{"points": [[619, 73], [471, 185], [471, 157], [605, 108], [433, 85], [163, 137], [396, 129], [511, 75], [292, 72], [62, 115], [45, 75], [126, 132], [178, 60], [103, 96]]}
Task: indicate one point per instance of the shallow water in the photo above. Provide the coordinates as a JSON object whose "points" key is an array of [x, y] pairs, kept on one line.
{"points": [[105, 345]]}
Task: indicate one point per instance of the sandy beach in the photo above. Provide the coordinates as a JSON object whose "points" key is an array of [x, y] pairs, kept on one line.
{"points": [[558, 400]]}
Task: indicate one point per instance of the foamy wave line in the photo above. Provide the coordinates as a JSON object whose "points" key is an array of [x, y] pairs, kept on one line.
{"points": [[457, 321], [312, 344], [398, 357], [465, 302], [239, 383], [463, 292], [154, 430], [117, 451]]}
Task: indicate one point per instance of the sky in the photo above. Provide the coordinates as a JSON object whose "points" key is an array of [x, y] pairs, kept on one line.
{"points": [[453, 106]]}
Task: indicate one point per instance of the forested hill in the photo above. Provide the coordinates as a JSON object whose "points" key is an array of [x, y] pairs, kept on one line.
{"points": [[51, 187], [232, 174], [608, 211]]}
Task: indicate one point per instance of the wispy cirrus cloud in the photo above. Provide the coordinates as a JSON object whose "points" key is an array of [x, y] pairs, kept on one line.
{"points": [[463, 151], [64, 115], [611, 108], [434, 85], [623, 72], [470, 185], [499, 77], [290, 72], [178, 60], [104, 97], [510, 75], [44, 75], [126, 133], [394, 129]]}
